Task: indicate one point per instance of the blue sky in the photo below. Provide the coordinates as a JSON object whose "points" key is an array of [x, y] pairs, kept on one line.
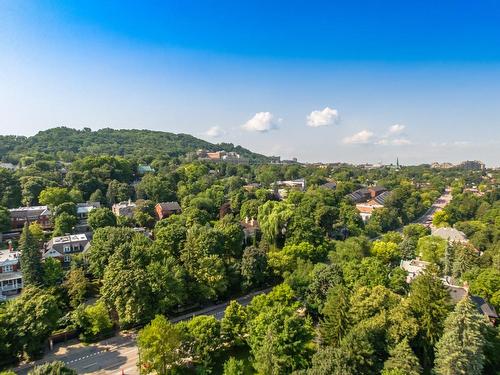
{"points": [[322, 81]]}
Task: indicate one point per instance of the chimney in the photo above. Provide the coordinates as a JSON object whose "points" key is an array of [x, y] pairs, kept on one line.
{"points": [[252, 222], [11, 249], [246, 219]]}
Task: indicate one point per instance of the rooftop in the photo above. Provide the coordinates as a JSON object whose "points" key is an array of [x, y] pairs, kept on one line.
{"points": [[70, 238], [6, 255], [450, 234]]}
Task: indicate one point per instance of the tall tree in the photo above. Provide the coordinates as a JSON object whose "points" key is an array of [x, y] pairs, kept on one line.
{"points": [[336, 315], [430, 303], [460, 349], [52, 368], [402, 360], [31, 258]]}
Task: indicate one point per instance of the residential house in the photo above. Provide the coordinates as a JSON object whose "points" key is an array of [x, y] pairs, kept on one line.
{"points": [[457, 293], [414, 267], [124, 208], [366, 209], [63, 247], [82, 212], [165, 209], [11, 277], [250, 229], [34, 214]]}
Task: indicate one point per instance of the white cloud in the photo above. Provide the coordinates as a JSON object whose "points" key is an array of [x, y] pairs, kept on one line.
{"points": [[400, 142], [262, 122], [215, 132], [396, 129], [327, 116], [363, 137]]}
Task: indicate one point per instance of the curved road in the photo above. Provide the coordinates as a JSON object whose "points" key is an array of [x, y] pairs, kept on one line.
{"points": [[118, 353]]}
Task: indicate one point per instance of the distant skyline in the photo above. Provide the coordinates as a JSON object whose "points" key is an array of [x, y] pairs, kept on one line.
{"points": [[321, 81]]}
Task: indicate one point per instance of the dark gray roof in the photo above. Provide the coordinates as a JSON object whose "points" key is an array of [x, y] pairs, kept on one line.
{"points": [[360, 195], [170, 206], [458, 293], [378, 189], [380, 199], [330, 185]]}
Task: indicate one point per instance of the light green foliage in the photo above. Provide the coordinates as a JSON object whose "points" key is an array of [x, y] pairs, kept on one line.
{"points": [[234, 366], [431, 249], [76, 285], [93, 321], [52, 368], [233, 324], [54, 196], [402, 360], [204, 336], [461, 348], [385, 251], [159, 343], [441, 219]]}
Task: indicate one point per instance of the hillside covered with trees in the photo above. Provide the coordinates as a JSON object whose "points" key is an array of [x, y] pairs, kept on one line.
{"points": [[67, 144]]}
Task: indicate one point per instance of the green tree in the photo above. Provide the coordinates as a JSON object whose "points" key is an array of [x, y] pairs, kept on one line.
{"points": [[76, 285], [31, 258], [385, 251], [430, 304], [432, 248], [93, 321], [402, 360], [254, 267], [460, 349], [52, 272], [100, 218], [10, 189], [234, 366], [279, 339], [441, 219], [35, 314], [4, 219], [52, 368], [64, 224], [465, 257], [204, 339], [233, 324], [159, 345], [54, 196], [335, 323]]}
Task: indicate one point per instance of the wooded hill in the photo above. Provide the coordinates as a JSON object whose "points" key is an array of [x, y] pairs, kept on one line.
{"points": [[67, 144]]}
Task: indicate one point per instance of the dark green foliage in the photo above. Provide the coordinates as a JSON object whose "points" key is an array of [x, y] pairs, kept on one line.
{"points": [[461, 348], [31, 258], [101, 217]]}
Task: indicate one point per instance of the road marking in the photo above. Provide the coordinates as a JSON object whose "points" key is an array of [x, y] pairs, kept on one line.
{"points": [[92, 364]]}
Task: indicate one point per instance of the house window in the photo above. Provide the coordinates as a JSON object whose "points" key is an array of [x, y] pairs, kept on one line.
{"points": [[8, 268], [67, 249], [67, 258]]}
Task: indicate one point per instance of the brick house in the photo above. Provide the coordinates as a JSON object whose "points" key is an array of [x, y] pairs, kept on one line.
{"points": [[35, 214], [165, 209]]}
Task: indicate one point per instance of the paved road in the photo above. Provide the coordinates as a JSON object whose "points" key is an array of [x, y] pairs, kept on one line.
{"points": [[117, 353], [438, 205]]}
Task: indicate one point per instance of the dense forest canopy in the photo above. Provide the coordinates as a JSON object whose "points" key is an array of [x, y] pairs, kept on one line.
{"points": [[67, 144]]}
